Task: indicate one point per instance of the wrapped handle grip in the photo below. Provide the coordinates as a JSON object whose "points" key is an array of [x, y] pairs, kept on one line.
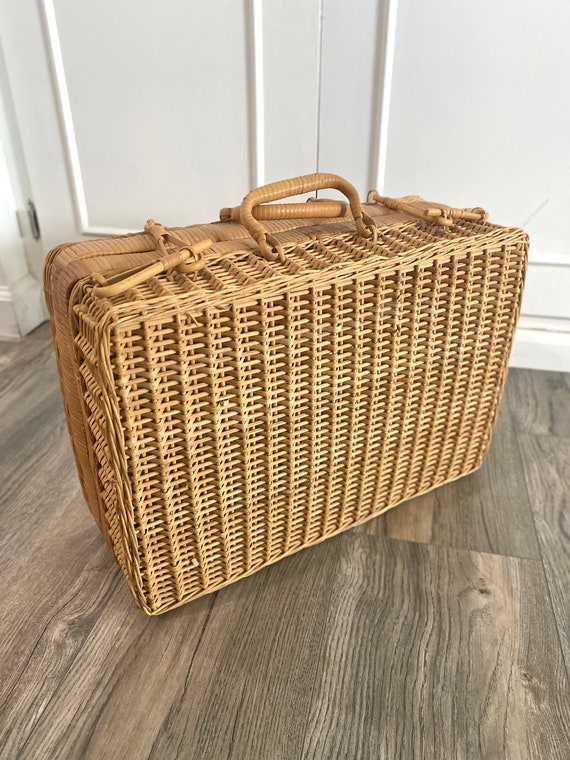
{"points": [[308, 210], [269, 247]]}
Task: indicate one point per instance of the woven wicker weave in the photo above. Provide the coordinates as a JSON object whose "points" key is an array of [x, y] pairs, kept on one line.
{"points": [[236, 396]]}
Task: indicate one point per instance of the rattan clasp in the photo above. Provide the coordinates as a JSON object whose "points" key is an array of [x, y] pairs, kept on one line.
{"points": [[185, 258], [428, 212]]}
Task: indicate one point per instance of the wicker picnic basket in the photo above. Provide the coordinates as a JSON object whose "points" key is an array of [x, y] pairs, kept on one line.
{"points": [[241, 390]]}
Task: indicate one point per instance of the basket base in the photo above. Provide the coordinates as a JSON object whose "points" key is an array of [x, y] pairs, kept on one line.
{"points": [[342, 529]]}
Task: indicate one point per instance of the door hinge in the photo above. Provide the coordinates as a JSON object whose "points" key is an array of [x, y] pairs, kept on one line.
{"points": [[28, 222], [33, 219]]}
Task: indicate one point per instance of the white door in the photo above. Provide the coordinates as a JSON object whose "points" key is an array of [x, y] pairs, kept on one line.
{"points": [[133, 108]]}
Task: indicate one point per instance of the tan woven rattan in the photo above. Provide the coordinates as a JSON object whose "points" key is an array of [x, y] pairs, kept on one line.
{"points": [[236, 393]]}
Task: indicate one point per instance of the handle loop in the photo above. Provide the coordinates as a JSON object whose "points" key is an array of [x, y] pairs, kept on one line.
{"points": [[269, 247]]}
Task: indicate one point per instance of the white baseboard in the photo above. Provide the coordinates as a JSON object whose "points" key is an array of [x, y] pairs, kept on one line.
{"points": [[22, 308], [9, 329], [542, 343], [29, 303]]}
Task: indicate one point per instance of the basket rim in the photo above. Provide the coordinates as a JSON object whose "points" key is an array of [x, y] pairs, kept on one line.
{"points": [[199, 301]]}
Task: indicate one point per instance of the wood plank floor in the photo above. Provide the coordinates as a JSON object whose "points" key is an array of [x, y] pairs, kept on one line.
{"points": [[439, 630]]}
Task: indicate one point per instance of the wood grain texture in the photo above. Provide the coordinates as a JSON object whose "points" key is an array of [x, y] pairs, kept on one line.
{"points": [[538, 406], [488, 511], [547, 471], [249, 693], [539, 402], [433, 653], [364, 646]]}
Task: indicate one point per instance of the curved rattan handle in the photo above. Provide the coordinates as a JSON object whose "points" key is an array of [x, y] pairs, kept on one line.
{"points": [[269, 248]]}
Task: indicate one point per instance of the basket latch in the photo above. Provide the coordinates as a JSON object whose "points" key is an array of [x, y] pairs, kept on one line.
{"points": [[182, 257], [429, 212]]}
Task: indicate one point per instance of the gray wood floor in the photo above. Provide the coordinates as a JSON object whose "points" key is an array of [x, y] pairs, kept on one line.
{"points": [[440, 630]]}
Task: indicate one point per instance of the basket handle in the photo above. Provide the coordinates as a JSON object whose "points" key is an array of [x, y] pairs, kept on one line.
{"points": [[326, 208], [269, 247]]}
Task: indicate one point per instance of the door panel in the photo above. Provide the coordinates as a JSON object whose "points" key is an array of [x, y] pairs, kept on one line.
{"points": [[351, 89], [291, 44], [157, 107], [480, 115], [170, 111], [480, 111]]}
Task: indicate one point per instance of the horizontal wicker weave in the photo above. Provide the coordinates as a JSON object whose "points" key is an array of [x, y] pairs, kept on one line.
{"points": [[252, 394]]}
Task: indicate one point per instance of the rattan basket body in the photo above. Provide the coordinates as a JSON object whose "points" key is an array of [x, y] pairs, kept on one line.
{"points": [[263, 393]]}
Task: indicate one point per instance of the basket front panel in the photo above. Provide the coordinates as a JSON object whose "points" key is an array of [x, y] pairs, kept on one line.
{"points": [[252, 430]]}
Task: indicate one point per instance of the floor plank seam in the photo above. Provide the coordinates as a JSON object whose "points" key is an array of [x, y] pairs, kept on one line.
{"points": [[322, 641], [547, 585], [454, 549]]}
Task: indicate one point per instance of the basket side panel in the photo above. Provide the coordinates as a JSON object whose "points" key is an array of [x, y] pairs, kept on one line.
{"points": [[249, 431]]}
